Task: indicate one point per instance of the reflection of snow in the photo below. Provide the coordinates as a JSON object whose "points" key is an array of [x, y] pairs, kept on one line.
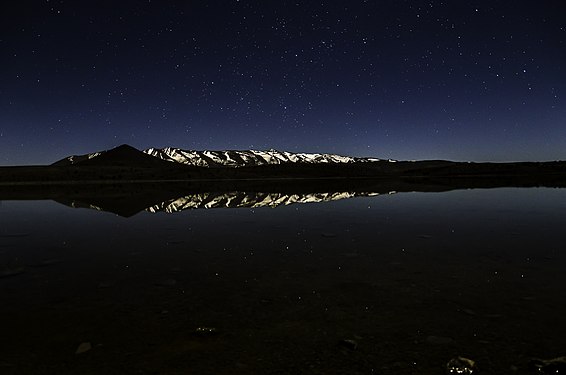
{"points": [[242, 199]]}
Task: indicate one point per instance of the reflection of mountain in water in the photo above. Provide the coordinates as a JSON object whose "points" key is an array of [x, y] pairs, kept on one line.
{"points": [[238, 199], [127, 198]]}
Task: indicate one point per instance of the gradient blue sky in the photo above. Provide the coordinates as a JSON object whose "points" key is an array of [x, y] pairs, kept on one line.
{"points": [[473, 80]]}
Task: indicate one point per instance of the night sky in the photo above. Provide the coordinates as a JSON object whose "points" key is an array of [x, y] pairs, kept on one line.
{"points": [[458, 80]]}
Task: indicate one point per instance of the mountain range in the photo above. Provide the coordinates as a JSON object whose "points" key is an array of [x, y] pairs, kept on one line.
{"points": [[125, 180], [211, 159], [125, 164]]}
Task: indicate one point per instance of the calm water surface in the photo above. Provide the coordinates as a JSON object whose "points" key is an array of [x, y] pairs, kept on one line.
{"points": [[394, 284]]}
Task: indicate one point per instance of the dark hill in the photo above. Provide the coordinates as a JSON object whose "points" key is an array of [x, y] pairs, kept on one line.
{"points": [[122, 156]]}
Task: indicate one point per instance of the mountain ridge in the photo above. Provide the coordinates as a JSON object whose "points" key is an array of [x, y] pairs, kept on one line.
{"points": [[239, 158], [212, 158], [127, 164]]}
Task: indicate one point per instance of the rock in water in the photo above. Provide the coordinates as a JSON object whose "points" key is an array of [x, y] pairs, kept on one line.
{"points": [[555, 366], [461, 365], [349, 344], [83, 348], [206, 331]]}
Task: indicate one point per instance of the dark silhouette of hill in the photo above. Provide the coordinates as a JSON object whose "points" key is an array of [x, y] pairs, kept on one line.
{"points": [[121, 156]]}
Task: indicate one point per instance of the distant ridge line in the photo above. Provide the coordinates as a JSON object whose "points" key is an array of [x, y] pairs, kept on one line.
{"points": [[223, 158]]}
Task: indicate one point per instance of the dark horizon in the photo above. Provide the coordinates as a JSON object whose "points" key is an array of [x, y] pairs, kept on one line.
{"points": [[85, 153]]}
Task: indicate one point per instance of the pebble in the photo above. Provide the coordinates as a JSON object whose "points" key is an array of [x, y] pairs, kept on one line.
{"points": [[206, 331], [83, 348], [349, 344], [461, 365], [469, 312]]}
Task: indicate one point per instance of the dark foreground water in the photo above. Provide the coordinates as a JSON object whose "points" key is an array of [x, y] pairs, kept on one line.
{"points": [[394, 284]]}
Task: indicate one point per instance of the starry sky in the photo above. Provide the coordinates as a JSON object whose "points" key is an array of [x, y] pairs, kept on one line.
{"points": [[458, 80]]}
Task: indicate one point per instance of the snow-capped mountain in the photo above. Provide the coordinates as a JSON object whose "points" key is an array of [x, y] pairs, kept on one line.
{"points": [[233, 158], [227, 158]]}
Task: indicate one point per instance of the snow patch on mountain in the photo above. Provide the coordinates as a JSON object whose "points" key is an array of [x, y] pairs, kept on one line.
{"points": [[234, 158], [231, 158]]}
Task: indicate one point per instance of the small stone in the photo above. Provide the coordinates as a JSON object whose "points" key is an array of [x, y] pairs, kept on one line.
{"points": [[349, 344], [469, 312], [461, 365], [83, 348], [206, 331]]}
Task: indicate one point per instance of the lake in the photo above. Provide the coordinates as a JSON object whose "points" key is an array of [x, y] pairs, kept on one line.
{"points": [[387, 284]]}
